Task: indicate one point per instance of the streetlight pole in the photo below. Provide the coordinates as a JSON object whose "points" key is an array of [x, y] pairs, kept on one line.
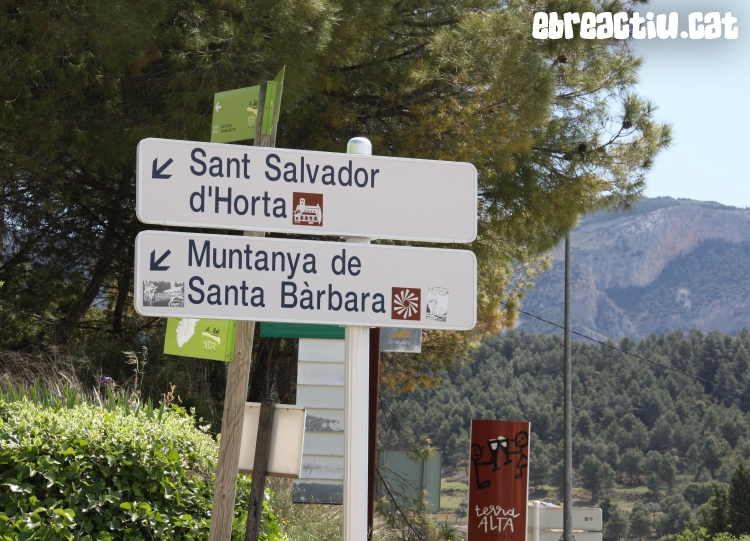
{"points": [[567, 408]]}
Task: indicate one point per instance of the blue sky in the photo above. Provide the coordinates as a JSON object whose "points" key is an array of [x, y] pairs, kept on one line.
{"points": [[702, 87]]}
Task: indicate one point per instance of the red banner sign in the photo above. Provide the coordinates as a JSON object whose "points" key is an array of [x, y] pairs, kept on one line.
{"points": [[498, 480]]}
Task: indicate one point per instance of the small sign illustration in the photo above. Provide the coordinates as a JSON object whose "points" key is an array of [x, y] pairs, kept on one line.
{"points": [[168, 294], [201, 338], [398, 339], [212, 334], [185, 330], [308, 208], [406, 303], [437, 303]]}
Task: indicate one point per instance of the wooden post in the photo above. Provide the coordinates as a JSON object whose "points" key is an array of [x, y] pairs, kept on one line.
{"points": [[231, 434], [235, 396], [373, 425], [260, 466]]}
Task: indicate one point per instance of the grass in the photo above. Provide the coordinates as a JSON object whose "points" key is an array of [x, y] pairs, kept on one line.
{"points": [[315, 522], [304, 522]]}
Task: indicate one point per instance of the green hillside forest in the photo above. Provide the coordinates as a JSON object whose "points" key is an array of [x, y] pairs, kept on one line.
{"points": [[651, 445]]}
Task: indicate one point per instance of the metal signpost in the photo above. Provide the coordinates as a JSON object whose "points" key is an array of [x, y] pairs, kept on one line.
{"points": [[184, 183], [353, 284], [546, 523]]}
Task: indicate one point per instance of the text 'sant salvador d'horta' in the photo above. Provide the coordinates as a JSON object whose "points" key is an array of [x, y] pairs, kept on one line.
{"points": [[501, 444]]}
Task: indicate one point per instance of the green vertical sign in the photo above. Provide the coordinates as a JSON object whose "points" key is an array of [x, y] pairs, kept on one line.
{"points": [[200, 338], [235, 112], [272, 105]]}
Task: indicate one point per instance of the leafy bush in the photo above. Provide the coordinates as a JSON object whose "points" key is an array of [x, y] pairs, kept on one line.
{"points": [[88, 472]]}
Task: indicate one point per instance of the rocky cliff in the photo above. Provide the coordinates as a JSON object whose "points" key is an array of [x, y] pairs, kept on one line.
{"points": [[667, 264]]}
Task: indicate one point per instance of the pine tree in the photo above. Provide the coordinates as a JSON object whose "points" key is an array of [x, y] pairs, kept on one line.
{"points": [[640, 521], [554, 129], [714, 514], [617, 525], [738, 502]]}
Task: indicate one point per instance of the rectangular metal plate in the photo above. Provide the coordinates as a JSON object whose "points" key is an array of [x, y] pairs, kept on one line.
{"points": [[263, 279], [185, 183]]}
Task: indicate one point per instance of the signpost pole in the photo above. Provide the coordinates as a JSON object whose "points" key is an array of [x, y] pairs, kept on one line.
{"points": [[357, 344], [235, 396], [373, 425], [260, 467], [231, 434], [567, 409]]}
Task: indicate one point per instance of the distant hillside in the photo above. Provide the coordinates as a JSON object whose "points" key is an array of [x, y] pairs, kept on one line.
{"points": [[667, 264], [641, 434]]}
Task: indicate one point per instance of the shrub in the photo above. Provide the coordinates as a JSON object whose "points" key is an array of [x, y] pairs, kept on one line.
{"points": [[88, 472]]}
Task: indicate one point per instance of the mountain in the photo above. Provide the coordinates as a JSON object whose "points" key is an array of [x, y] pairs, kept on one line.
{"points": [[666, 264]]}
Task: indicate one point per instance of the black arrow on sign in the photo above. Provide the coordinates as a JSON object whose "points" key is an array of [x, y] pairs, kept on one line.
{"points": [[159, 173], [156, 263]]}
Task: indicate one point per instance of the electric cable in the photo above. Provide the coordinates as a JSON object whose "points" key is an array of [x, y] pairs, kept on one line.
{"points": [[635, 355]]}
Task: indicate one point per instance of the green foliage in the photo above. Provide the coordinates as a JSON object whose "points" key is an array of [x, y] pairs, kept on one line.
{"points": [[701, 534], [647, 425], [554, 129], [698, 493], [516, 375], [595, 475], [713, 515], [675, 515], [73, 470], [617, 525], [640, 521], [738, 509]]}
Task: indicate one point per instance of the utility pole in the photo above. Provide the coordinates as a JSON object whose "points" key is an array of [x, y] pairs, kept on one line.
{"points": [[567, 409]]}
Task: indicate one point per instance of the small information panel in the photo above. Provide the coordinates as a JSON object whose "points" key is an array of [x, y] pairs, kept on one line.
{"points": [[200, 338], [235, 114], [294, 281], [498, 480], [402, 340]]}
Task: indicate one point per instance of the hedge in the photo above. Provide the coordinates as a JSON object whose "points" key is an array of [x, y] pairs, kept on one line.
{"points": [[71, 470]]}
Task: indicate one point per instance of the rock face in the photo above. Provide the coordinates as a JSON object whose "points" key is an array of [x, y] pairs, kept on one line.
{"points": [[668, 264]]}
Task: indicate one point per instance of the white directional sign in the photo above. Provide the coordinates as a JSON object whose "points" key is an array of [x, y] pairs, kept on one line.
{"points": [[226, 186], [262, 279], [584, 518]]}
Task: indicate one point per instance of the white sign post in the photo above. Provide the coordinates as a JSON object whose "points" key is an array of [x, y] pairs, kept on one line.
{"points": [[192, 275], [356, 408], [354, 284], [183, 183], [546, 523]]}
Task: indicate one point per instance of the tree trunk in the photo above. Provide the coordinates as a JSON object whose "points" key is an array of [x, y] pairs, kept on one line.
{"points": [[112, 242], [274, 371], [123, 291]]}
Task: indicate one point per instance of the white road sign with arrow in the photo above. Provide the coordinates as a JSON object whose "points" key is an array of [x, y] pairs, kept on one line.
{"points": [[226, 186], [264, 279]]}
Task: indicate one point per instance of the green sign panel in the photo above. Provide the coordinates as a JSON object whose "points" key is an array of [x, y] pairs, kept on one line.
{"points": [[201, 338], [273, 102], [301, 330], [235, 112]]}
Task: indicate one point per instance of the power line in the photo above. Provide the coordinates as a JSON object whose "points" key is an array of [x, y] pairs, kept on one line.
{"points": [[635, 355]]}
